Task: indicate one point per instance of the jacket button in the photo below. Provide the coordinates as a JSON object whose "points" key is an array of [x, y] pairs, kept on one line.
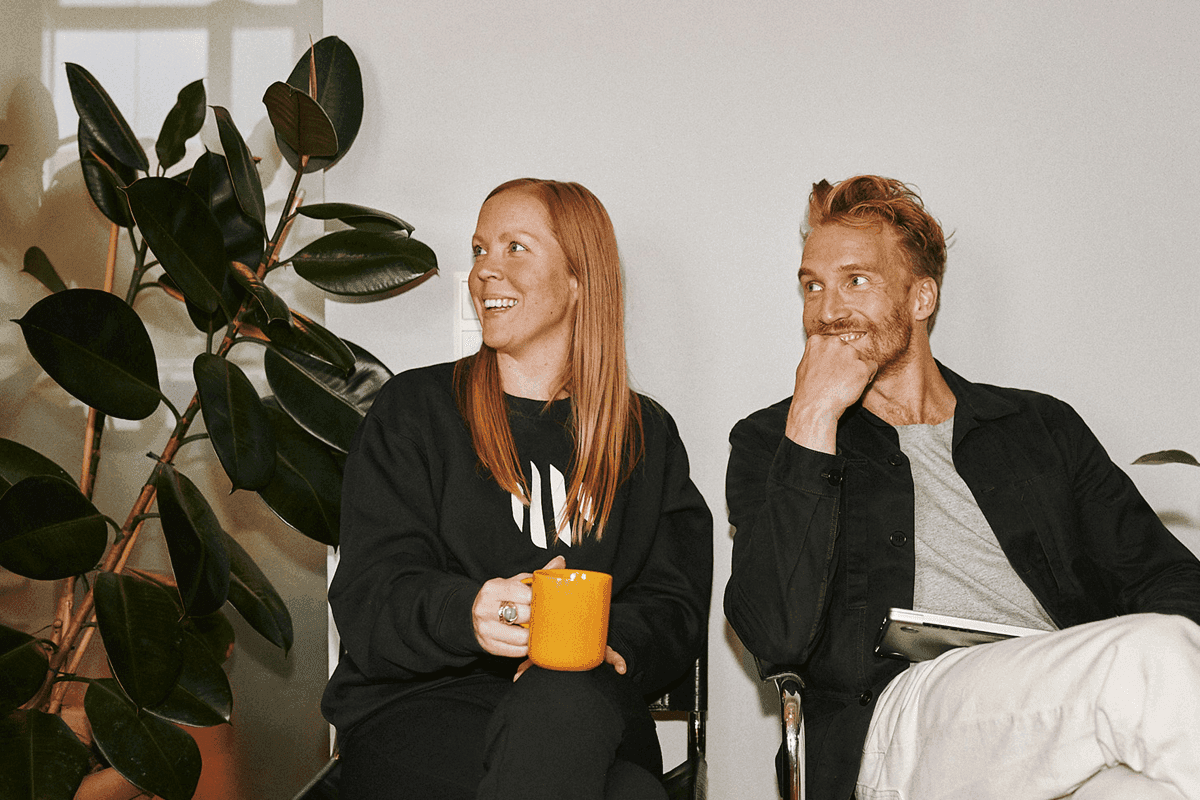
{"points": [[864, 699], [833, 478], [898, 539], [896, 459]]}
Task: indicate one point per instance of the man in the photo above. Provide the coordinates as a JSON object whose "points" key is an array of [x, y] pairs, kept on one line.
{"points": [[888, 480]]}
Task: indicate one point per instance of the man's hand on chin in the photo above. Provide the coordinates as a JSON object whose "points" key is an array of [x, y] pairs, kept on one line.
{"points": [[831, 376]]}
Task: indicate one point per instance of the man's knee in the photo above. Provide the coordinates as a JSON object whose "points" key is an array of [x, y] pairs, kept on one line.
{"points": [[1160, 633], [1158, 652]]}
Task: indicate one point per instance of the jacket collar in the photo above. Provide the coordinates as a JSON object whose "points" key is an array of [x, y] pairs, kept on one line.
{"points": [[975, 403]]}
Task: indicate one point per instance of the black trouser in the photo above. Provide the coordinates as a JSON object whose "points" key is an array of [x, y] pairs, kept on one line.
{"points": [[585, 735]]}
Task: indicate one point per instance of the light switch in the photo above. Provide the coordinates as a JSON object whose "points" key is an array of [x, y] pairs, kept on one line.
{"points": [[468, 334]]}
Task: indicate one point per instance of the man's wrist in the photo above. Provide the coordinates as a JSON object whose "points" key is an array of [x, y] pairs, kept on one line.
{"points": [[815, 429]]}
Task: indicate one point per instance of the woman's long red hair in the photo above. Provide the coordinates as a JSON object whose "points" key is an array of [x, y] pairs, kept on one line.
{"points": [[606, 414]]}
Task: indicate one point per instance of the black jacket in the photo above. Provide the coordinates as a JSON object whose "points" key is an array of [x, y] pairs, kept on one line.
{"points": [[423, 527], [824, 545]]}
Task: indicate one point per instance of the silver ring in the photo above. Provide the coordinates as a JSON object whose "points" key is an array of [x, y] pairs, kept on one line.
{"points": [[508, 612]]}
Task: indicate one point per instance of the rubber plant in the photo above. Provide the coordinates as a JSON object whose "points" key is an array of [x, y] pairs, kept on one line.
{"points": [[201, 236]]}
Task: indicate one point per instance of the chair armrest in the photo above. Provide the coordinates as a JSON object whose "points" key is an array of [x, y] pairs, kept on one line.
{"points": [[789, 762], [324, 785]]}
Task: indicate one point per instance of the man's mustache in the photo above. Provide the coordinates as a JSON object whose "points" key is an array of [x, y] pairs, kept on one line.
{"points": [[838, 328]]}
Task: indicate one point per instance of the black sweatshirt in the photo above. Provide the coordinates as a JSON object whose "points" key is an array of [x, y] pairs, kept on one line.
{"points": [[423, 527]]}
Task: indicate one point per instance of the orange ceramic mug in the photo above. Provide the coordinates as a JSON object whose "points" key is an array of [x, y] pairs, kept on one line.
{"points": [[568, 627]]}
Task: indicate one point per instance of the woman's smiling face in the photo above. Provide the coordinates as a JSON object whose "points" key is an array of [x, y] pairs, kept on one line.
{"points": [[522, 289]]}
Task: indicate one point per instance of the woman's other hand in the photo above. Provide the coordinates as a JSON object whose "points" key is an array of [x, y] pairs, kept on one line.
{"points": [[613, 657], [610, 657], [495, 635]]}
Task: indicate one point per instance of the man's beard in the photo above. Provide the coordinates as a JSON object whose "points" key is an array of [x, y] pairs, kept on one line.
{"points": [[887, 343]]}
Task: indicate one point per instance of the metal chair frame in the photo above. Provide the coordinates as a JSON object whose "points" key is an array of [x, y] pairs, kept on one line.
{"points": [[789, 763], [689, 780]]}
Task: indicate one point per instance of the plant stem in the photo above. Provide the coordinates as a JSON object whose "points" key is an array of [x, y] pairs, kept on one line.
{"points": [[285, 221], [91, 456], [78, 632], [118, 555]]}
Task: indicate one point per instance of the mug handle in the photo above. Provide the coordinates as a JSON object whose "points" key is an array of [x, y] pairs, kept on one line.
{"points": [[528, 582]]}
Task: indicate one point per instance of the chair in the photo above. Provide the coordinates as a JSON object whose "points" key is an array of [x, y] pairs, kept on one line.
{"points": [[687, 781], [789, 761], [324, 785], [689, 695]]}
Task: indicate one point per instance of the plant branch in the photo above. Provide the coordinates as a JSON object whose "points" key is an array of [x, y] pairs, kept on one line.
{"points": [[294, 199], [92, 435], [79, 631], [139, 267]]}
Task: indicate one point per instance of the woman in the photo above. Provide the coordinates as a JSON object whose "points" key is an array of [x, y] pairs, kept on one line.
{"points": [[466, 477]]}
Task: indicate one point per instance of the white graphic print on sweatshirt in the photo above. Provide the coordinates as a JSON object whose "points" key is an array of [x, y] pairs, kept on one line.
{"points": [[557, 501]]}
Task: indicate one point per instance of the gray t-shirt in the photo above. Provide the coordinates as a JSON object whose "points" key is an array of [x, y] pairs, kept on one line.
{"points": [[961, 569]]}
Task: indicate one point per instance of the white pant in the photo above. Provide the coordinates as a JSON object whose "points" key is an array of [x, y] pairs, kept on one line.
{"points": [[1034, 718]]}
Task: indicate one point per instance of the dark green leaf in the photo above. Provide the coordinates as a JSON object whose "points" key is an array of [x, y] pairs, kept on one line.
{"points": [[18, 462], [339, 92], [140, 625], [256, 599], [274, 307], [103, 120], [105, 178], [40, 758], [300, 121], [3, 151], [326, 401], [153, 755], [23, 663], [202, 697], [49, 530], [39, 266], [96, 347], [184, 235], [231, 297], [195, 540], [246, 183], [1168, 457], [361, 217], [244, 237], [183, 121], [208, 324], [236, 421], [306, 336], [359, 263], [215, 632], [305, 491]]}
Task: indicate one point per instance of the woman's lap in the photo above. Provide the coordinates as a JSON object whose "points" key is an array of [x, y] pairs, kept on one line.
{"points": [[525, 736], [426, 745]]}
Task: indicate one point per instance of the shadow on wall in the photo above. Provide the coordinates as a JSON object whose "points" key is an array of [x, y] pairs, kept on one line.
{"points": [[768, 696]]}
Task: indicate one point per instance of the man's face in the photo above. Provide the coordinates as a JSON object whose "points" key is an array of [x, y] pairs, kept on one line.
{"points": [[857, 286]]}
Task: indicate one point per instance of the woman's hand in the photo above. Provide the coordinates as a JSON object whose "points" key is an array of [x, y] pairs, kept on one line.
{"points": [[610, 657], [613, 657], [495, 635]]}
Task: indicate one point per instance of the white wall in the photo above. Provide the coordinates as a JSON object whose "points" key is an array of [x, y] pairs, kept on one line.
{"points": [[1058, 141]]}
